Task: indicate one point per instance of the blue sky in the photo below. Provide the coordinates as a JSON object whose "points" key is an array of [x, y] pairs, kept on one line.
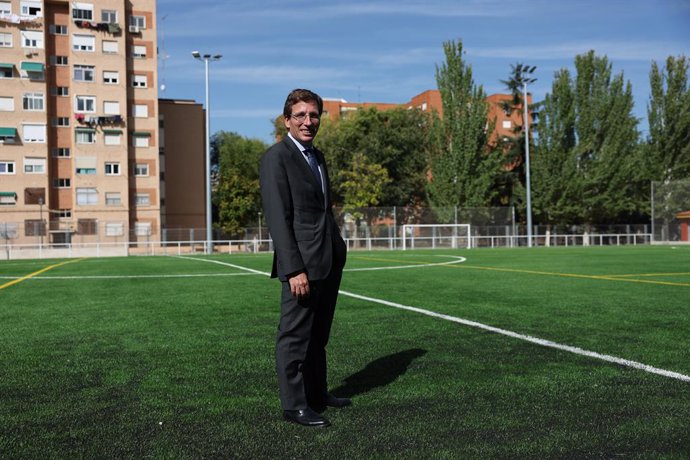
{"points": [[388, 50]]}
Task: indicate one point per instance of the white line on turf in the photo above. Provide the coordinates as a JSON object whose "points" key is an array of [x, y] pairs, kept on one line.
{"points": [[496, 330], [115, 277]]}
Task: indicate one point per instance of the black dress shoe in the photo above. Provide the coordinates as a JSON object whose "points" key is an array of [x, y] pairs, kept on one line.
{"points": [[332, 401], [306, 417]]}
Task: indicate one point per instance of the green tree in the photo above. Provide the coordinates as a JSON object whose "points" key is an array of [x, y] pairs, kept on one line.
{"points": [[237, 193], [463, 168], [361, 184], [397, 140], [668, 111]]}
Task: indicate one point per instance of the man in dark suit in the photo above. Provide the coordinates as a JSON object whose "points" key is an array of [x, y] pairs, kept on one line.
{"points": [[309, 258]]}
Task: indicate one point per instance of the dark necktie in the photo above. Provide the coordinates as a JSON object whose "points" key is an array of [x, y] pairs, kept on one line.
{"points": [[314, 165]]}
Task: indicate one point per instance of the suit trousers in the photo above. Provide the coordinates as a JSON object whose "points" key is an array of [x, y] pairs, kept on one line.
{"points": [[303, 331]]}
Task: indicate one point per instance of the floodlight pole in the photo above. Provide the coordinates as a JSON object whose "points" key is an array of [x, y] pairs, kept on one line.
{"points": [[527, 169], [209, 218]]}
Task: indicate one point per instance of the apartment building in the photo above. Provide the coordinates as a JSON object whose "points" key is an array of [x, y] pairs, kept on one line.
{"points": [[79, 153]]}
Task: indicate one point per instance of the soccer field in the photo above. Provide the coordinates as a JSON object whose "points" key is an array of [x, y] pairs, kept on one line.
{"points": [[483, 353]]}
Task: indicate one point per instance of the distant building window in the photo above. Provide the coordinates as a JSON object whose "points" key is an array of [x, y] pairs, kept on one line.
{"points": [[86, 136], [8, 200], [5, 40], [138, 21], [34, 227], [138, 51], [61, 152], [34, 195], [32, 39], [5, 8], [142, 199], [111, 107], [6, 167], [83, 11], [140, 141], [109, 16], [113, 199], [85, 104], [140, 110], [507, 124], [87, 196], [112, 138], [6, 104], [83, 42], [87, 226], [6, 72], [59, 91], [112, 169], [62, 183], [84, 72], [139, 81], [141, 169], [31, 8], [60, 121], [34, 165], [110, 77], [114, 229], [34, 133], [110, 47], [33, 102], [58, 60], [57, 29]]}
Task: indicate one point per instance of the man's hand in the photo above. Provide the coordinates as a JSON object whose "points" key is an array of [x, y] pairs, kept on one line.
{"points": [[299, 285]]}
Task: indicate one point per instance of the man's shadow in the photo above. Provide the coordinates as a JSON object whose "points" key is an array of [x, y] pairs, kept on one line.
{"points": [[378, 373]]}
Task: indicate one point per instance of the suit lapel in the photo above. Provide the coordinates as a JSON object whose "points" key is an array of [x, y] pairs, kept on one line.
{"points": [[298, 158]]}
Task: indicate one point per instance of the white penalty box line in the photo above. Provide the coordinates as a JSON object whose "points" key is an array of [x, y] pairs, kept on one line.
{"points": [[496, 330]]}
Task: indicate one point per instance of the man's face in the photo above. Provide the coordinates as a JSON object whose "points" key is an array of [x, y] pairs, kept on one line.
{"points": [[303, 124]]}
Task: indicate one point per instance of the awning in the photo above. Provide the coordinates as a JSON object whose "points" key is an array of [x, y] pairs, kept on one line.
{"points": [[112, 131], [8, 132], [4, 65], [8, 194], [141, 134], [32, 66], [85, 130]]}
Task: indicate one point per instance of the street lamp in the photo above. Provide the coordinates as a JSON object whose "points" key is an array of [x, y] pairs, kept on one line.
{"points": [[209, 235]]}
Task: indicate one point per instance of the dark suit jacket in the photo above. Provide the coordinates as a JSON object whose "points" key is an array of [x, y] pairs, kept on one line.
{"points": [[299, 216]]}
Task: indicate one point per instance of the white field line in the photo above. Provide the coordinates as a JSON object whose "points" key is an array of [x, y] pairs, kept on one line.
{"points": [[115, 277], [496, 330]]}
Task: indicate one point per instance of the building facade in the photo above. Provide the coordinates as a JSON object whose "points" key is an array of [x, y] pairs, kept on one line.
{"points": [[79, 149]]}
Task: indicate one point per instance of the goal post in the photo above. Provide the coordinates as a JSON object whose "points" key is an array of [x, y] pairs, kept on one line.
{"points": [[432, 236]]}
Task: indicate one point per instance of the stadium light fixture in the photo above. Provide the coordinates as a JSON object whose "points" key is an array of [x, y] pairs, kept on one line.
{"points": [[209, 231]]}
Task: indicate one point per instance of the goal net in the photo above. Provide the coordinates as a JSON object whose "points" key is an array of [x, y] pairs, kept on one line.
{"points": [[431, 236]]}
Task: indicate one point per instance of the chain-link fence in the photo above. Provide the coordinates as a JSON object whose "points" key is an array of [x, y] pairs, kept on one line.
{"points": [[670, 210]]}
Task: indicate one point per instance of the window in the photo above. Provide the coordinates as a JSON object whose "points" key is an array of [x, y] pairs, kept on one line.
{"points": [[86, 104], [140, 110], [6, 72], [62, 183], [6, 104], [137, 21], [83, 11], [57, 29], [84, 72], [111, 107], [87, 196], [34, 133], [60, 121], [34, 195], [5, 40], [112, 138], [63, 213], [141, 169], [142, 199], [109, 47], [86, 136], [32, 39], [138, 51], [112, 169], [5, 8], [109, 16], [31, 8], [58, 60], [34, 165], [83, 42], [6, 167], [86, 171], [33, 102], [142, 228], [34, 227], [114, 229], [112, 199], [87, 227], [110, 77], [61, 152], [507, 124], [140, 141], [59, 91], [139, 81], [8, 199]]}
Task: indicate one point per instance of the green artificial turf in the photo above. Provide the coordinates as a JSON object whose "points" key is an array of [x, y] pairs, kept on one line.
{"points": [[168, 357]]}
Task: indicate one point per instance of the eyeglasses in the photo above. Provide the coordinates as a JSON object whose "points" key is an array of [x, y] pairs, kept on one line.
{"points": [[301, 117]]}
